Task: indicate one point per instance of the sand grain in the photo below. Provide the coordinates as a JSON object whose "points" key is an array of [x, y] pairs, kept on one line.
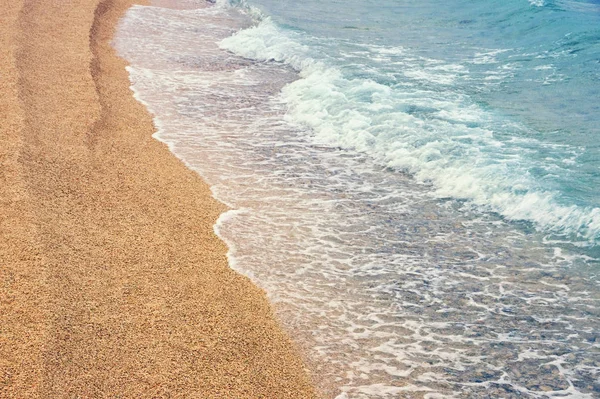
{"points": [[112, 283]]}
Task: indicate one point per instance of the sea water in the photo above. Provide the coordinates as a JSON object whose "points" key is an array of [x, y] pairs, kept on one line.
{"points": [[416, 185]]}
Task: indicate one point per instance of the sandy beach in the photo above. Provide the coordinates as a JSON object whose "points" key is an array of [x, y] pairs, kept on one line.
{"points": [[112, 282]]}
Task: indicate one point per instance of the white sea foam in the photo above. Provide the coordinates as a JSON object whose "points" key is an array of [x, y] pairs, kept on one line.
{"points": [[389, 291], [457, 151]]}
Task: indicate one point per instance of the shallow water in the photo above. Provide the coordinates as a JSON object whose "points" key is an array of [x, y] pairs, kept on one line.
{"points": [[390, 289]]}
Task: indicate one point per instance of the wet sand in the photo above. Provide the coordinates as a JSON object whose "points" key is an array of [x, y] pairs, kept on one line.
{"points": [[112, 282]]}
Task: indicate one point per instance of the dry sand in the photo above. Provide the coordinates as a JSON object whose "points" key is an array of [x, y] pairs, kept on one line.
{"points": [[112, 283]]}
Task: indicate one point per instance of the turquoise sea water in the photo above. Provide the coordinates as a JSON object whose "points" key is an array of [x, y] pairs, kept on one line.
{"points": [[502, 97], [415, 184]]}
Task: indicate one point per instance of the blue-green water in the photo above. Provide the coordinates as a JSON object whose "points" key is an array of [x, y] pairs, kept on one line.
{"points": [[414, 184], [502, 97]]}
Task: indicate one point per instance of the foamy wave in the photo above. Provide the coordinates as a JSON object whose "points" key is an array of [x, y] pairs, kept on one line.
{"points": [[389, 293], [266, 42], [440, 138]]}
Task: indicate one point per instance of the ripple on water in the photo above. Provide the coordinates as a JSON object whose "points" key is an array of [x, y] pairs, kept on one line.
{"points": [[390, 292]]}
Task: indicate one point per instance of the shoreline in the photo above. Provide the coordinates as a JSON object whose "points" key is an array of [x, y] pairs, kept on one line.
{"points": [[114, 283]]}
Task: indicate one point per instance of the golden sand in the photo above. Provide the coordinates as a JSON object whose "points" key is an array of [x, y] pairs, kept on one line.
{"points": [[112, 283]]}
